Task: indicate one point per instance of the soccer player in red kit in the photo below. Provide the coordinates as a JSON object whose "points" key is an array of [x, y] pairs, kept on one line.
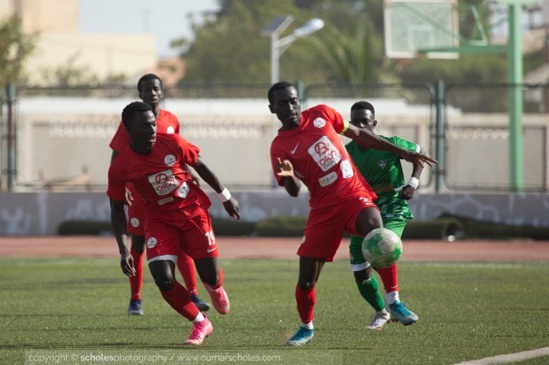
{"points": [[176, 212], [308, 149], [151, 92]]}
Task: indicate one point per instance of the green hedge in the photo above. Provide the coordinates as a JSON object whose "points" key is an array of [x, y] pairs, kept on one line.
{"points": [[448, 227], [281, 226]]}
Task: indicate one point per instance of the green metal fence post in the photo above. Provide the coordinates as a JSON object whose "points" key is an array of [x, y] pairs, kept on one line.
{"points": [[514, 57], [439, 135]]}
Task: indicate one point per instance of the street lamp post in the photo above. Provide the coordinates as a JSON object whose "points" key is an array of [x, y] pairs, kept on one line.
{"points": [[279, 45]]}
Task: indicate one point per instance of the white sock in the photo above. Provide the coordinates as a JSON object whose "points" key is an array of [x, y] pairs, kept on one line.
{"points": [[392, 297], [199, 318], [308, 326]]}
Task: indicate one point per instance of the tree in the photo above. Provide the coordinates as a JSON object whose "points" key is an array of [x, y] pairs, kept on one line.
{"points": [[231, 49], [15, 47]]}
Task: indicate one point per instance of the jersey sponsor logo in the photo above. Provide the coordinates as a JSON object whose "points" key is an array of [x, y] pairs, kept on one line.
{"points": [[151, 242], [211, 249], [319, 122], [165, 200], [169, 160], [163, 182], [295, 148], [328, 179], [325, 153], [346, 169], [170, 130], [382, 164], [135, 222]]}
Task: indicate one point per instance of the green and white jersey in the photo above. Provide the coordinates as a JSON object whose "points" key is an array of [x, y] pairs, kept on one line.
{"points": [[383, 171]]}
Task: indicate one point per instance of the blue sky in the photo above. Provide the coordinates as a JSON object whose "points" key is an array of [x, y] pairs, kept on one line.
{"points": [[167, 19]]}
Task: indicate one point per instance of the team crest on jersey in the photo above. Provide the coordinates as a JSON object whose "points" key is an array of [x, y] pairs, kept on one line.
{"points": [[183, 190], [382, 164], [151, 242], [319, 122], [169, 160], [170, 130], [135, 222], [325, 153]]}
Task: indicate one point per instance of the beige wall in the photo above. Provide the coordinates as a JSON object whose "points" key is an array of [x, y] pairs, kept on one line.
{"points": [[43, 15], [103, 54], [100, 54]]}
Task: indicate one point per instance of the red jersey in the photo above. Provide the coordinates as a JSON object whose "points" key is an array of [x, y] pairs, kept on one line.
{"points": [[166, 123], [319, 157], [160, 178]]}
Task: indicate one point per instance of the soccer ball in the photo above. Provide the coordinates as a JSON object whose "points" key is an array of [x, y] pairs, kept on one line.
{"points": [[381, 247]]}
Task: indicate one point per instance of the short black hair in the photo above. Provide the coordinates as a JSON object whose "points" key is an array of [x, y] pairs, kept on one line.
{"points": [[363, 105], [133, 108], [278, 86], [147, 77]]}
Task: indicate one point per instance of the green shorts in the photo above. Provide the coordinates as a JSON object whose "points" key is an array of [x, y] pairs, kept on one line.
{"points": [[358, 262]]}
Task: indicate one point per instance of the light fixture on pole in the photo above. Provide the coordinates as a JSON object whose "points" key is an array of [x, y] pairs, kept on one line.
{"points": [[279, 45]]}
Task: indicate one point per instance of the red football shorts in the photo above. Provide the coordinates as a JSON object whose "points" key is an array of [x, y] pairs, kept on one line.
{"points": [[135, 215], [194, 236], [325, 226]]}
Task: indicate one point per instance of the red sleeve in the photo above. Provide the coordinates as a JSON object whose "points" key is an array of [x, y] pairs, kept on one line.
{"points": [[334, 117], [175, 123], [121, 139], [189, 152], [117, 181]]}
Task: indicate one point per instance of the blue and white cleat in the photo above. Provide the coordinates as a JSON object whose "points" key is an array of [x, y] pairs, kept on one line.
{"points": [[301, 337], [400, 313]]}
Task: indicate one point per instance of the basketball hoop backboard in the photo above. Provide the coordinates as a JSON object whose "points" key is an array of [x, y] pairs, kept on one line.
{"points": [[412, 26]]}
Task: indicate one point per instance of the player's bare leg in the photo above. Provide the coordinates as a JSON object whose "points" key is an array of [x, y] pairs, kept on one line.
{"points": [[212, 276]]}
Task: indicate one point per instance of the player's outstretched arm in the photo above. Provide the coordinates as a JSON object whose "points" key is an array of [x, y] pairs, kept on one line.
{"points": [[118, 221], [229, 203], [368, 139], [407, 191], [285, 170]]}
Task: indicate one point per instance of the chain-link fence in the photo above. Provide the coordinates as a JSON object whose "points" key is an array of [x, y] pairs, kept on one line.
{"points": [[63, 134], [479, 138]]}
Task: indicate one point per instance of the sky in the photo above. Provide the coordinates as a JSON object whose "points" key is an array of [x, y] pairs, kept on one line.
{"points": [[166, 19]]}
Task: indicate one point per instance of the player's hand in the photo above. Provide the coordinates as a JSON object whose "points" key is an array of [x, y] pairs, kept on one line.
{"points": [[419, 158], [407, 192], [128, 196], [126, 263], [284, 168], [231, 206]]}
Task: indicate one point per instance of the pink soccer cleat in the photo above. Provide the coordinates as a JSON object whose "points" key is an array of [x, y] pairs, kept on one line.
{"points": [[200, 331], [220, 300]]}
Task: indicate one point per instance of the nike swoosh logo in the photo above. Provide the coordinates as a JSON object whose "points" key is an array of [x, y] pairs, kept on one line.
{"points": [[210, 250], [295, 148]]}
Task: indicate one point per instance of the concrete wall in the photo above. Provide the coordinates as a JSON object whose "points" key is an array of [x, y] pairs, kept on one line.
{"points": [[41, 213]]}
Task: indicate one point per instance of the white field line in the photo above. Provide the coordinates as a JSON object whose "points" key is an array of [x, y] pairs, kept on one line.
{"points": [[509, 358]]}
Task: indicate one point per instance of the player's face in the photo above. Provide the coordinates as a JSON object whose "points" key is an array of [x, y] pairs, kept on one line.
{"points": [[363, 118], [287, 107], [151, 92], [142, 132]]}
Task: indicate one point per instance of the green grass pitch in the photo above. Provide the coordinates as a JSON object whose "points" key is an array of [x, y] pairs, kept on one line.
{"points": [[74, 312]]}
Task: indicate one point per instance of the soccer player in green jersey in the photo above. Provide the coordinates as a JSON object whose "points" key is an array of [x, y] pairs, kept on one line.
{"points": [[383, 171]]}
